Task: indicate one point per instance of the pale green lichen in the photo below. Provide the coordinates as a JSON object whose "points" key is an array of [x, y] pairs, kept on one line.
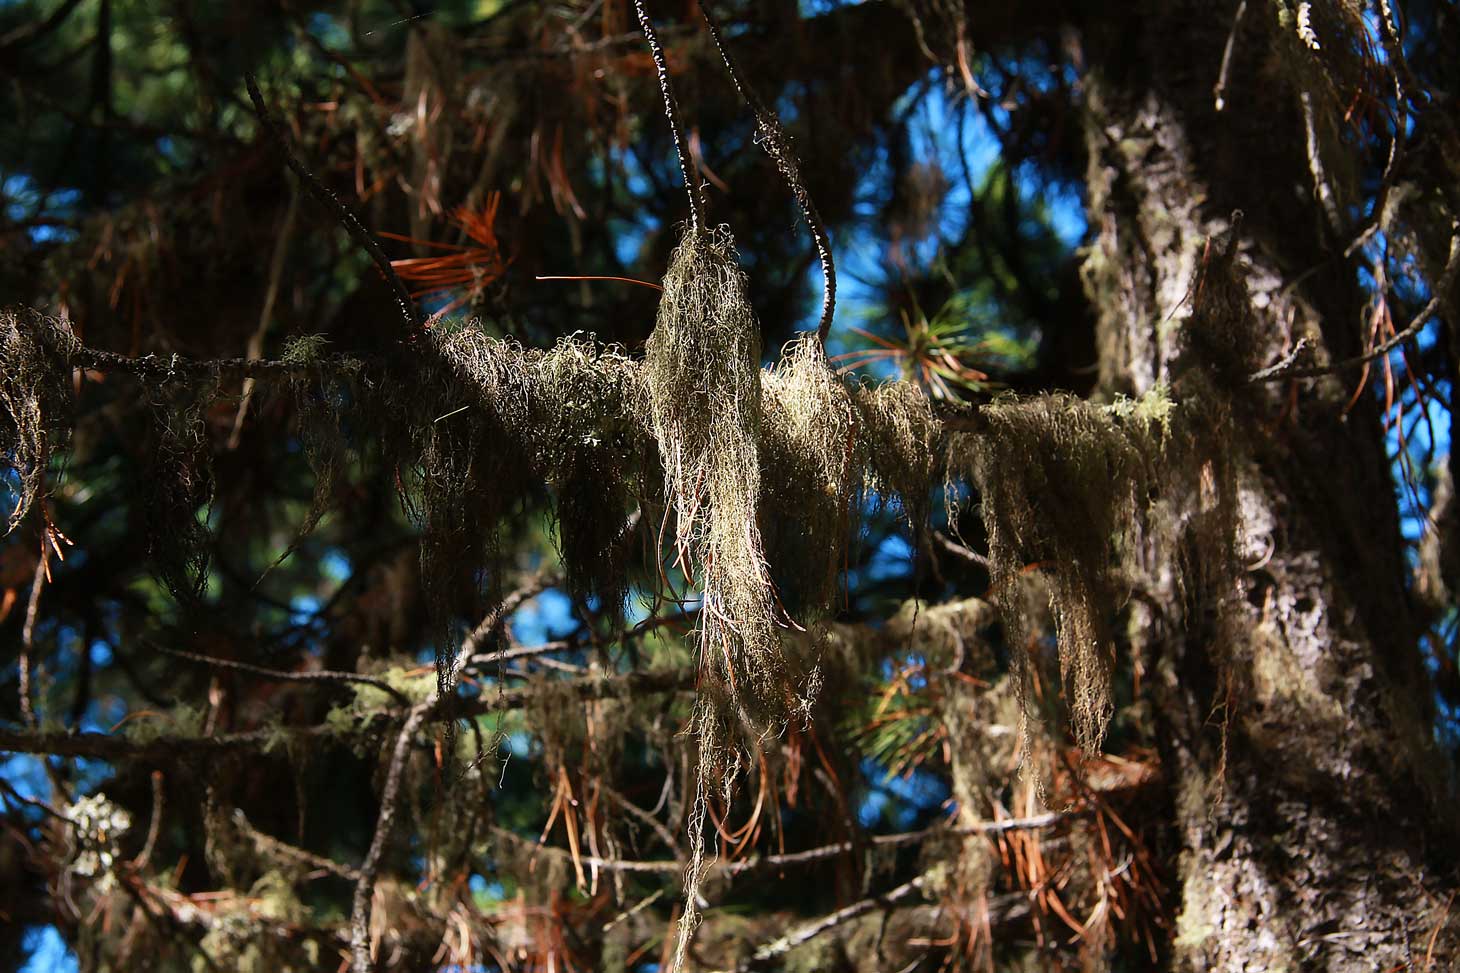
{"points": [[1069, 488]]}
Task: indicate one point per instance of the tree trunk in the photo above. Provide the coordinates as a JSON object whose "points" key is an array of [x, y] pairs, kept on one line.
{"points": [[1293, 722]]}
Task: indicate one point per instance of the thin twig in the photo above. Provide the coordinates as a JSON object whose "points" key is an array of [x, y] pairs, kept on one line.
{"points": [[1219, 91], [266, 315], [521, 652], [15, 795], [824, 852], [597, 640], [498, 616], [671, 111], [809, 931], [658, 826], [32, 27], [27, 633], [772, 138], [1389, 37], [953, 547], [154, 824], [629, 914], [1328, 202], [810, 855], [357, 230], [323, 675]]}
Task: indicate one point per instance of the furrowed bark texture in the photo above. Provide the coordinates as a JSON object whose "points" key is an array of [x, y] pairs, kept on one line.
{"points": [[1294, 731]]}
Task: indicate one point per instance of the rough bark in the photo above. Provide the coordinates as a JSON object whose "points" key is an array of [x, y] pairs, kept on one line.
{"points": [[1293, 723]]}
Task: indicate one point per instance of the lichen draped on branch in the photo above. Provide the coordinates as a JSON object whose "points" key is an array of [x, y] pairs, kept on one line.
{"points": [[35, 401], [702, 366], [1072, 488]]}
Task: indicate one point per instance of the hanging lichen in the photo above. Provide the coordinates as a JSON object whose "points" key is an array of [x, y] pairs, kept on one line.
{"points": [[176, 486], [35, 402], [574, 414], [323, 400], [460, 478], [1072, 489], [812, 477], [1059, 481], [900, 444], [703, 372]]}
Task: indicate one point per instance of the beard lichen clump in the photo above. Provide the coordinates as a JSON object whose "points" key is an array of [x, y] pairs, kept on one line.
{"points": [[574, 413], [702, 369], [901, 447], [35, 403], [702, 365], [176, 485], [812, 474], [1075, 489], [1060, 480], [488, 421]]}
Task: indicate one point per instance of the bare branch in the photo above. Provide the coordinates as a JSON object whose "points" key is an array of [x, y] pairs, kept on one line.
{"points": [[772, 138], [27, 633], [495, 618], [958, 550], [319, 676], [15, 795], [1002, 909], [810, 855], [271, 845], [266, 315], [361, 960], [357, 230], [1219, 91], [105, 746], [154, 824], [671, 111], [809, 931]]}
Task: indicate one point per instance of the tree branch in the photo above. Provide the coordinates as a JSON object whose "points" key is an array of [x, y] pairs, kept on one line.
{"points": [[176, 366], [323, 675], [357, 230], [809, 931], [772, 138], [361, 960], [164, 748], [810, 855], [671, 111]]}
